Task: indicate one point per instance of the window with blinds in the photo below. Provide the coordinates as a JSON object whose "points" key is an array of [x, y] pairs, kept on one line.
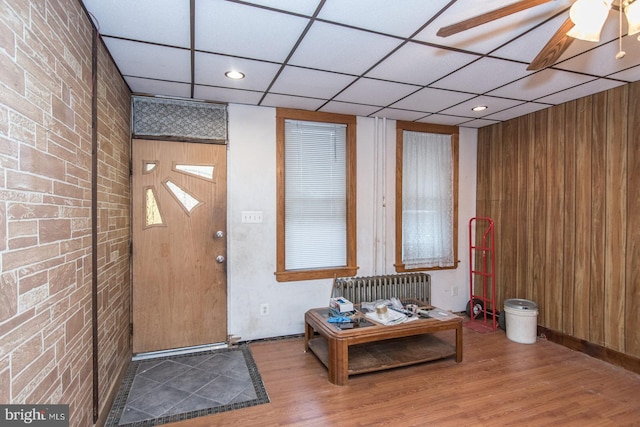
{"points": [[316, 206], [315, 201]]}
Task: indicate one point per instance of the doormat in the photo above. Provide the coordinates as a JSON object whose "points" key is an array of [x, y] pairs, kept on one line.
{"points": [[175, 388]]}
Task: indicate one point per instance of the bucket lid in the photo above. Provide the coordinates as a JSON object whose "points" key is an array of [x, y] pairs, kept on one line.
{"points": [[521, 304]]}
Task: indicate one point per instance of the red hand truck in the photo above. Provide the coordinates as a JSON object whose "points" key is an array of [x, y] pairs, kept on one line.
{"points": [[481, 307]]}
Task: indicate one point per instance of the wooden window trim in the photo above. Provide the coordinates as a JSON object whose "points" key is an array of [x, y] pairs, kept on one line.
{"points": [[283, 275], [429, 128]]}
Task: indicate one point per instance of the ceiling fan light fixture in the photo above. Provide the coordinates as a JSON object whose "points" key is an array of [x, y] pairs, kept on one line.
{"points": [[589, 17], [632, 12], [586, 34]]}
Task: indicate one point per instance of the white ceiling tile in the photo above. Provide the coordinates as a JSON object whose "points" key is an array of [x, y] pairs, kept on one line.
{"points": [[158, 87], [477, 123], [285, 101], [602, 61], [629, 75], [156, 21], [335, 48], [375, 92], [588, 88], [347, 108], [147, 60], [382, 15], [464, 109], [527, 47], [227, 95], [251, 32], [608, 35], [517, 111], [431, 100], [441, 119], [210, 69], [483, 75], [312, 83], [488, 37], [540, 84], [304, 7], [414, 63], [395, 114]]}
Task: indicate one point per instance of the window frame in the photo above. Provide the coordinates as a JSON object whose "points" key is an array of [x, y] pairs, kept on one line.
{"points": [[454, 132], [283, 275]]}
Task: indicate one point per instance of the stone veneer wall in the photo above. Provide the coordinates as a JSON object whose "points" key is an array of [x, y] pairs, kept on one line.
{"points": [[45, 210], [114, 233]]}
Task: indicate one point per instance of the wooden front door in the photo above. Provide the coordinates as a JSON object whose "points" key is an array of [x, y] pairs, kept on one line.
{"points": [[179, 245]]}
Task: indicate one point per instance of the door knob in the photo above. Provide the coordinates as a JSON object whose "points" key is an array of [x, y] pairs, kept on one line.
{"points": [[219, 234], [220, 259]]}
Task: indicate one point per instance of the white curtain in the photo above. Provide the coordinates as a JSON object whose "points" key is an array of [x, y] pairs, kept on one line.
{"points": [[427, 200]]}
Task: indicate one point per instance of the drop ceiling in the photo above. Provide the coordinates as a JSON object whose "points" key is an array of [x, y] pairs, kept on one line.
{"points": [[377, 58]]}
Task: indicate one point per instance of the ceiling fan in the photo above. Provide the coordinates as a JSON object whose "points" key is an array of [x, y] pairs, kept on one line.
{"points": [[585, 21]]}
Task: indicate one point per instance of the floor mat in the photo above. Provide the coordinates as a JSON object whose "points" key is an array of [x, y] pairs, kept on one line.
{"points": [[169, 389]]}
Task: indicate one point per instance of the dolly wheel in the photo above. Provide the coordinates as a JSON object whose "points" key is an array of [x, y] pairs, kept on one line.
{"points": [[477, 308]]}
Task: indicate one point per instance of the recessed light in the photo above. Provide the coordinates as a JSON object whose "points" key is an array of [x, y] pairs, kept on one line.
{"points": [[479, 108], [234, 75]]}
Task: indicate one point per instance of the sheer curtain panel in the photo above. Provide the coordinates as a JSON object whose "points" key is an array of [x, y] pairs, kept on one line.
{"points": [[427, 200]]}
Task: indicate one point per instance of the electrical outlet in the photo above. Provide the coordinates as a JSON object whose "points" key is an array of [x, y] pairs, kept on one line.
{"points": [[454, 291], [264, 309]]}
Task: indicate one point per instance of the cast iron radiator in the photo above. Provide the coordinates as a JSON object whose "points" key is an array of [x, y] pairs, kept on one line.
{"points": [[409, 286]]}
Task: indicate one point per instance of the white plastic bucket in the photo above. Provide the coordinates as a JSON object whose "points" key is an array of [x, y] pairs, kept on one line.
{"points": [[521, 320]]}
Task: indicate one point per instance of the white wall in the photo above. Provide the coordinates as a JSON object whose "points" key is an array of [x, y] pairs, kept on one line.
{"points": [[252, 247]]}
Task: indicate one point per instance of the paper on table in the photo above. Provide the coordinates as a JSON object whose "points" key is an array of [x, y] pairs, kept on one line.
{"points": [[391, 317], [440, 314]]}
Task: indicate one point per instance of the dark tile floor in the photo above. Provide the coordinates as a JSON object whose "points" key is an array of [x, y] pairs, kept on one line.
{"points": [[163, 388]]}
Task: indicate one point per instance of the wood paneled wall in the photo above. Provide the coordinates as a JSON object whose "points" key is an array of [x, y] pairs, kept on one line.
{"points": [[563, 187]]}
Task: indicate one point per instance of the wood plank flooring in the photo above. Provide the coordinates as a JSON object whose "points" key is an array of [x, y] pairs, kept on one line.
{"points": [[499, 383]]}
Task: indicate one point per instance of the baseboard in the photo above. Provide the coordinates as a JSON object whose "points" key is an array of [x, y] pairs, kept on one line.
{"points": [[608, 355], [276, 338]]}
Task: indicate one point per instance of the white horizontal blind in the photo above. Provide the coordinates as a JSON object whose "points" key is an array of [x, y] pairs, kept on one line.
{"points": [[315, 195], [427, 200]]}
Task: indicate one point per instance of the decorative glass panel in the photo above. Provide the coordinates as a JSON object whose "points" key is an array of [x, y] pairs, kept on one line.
{"points": [[151, 208], [149, 166], [186, 200], [182, 119], [200, 171]]}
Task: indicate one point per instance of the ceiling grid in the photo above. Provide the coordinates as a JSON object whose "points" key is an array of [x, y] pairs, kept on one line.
{"points": [[363, 57]]}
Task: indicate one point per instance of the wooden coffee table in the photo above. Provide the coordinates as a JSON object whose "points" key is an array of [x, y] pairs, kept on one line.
{"points": [[377, 347]]}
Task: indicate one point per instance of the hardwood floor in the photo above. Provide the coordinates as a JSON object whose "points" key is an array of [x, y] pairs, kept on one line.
{"points": [[499, 383]]}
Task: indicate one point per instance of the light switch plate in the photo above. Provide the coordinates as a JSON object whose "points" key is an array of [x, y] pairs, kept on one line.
{"points": [[252, 217]]}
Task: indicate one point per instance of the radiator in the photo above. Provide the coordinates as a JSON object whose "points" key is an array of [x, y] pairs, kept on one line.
{"points": [[409, 286]]}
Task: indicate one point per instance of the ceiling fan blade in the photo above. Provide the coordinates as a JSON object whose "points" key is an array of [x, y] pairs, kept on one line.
{"points": [[488, 17], [554, 48]]}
